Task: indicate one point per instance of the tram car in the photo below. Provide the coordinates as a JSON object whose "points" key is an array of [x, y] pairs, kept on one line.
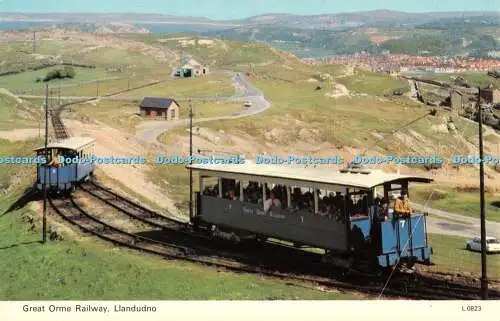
{"points": [[63, 176], [329, 209]]}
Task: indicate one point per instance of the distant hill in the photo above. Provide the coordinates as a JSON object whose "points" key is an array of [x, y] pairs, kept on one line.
{"points": [[475, 36], [355, 19]]}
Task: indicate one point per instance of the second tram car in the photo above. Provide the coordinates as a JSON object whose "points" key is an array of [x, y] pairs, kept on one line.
{"points": [[61, 176], [322, 208]]}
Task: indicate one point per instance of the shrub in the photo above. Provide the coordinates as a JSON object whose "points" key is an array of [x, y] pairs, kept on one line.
{"points": [[66, 72]]}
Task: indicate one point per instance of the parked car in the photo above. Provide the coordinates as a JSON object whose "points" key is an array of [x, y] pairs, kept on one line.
{"points": [[492, 244], [248, 104]]}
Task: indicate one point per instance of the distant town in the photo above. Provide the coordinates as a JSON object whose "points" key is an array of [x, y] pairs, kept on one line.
{"points": [[401, 63]]}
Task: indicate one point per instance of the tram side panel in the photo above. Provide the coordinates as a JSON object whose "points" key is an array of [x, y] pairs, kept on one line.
{"points": [[302, 226], [83, 171], [60, 178], [397, 243]]}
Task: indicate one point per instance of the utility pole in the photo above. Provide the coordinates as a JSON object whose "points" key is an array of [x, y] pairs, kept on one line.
{"points": [[97, 95], [45, 168], [34, 41], [190, 160], [484, 277]]}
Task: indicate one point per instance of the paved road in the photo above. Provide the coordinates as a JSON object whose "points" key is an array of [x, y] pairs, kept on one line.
{"points": [[442, 222], [150, 130]]}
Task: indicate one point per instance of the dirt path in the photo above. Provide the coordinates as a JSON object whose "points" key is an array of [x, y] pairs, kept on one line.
{"points": [[113, 142], [21, 134]]}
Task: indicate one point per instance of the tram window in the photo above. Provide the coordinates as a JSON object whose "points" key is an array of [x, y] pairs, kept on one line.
{"points": [[227, 185], [280, 193], [231, 189], [252, 192], [210, 186], [302, 198], [357, 203]]}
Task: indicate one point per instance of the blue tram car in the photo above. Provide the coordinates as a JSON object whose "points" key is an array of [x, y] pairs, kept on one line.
{"points": [[333, 210], [67, 164]]}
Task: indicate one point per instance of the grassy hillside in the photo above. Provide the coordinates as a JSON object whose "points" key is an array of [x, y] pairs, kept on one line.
{"points": [[361, 115], [18, 114], [214, 52]]}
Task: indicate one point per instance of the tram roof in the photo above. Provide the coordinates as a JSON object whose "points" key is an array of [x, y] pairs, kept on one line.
{"points": [[73, 143], [360, 178]]}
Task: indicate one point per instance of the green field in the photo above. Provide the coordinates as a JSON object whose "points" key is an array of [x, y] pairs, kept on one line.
{"points": [[26, 81], [372, 83], [457, 201], [210, 85], [450, 256]]}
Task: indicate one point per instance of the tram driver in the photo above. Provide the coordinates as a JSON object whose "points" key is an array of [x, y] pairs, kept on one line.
{"points": [[54, 162], [402, 205]]}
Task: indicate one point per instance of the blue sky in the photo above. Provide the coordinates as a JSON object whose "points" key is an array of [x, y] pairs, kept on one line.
{"points": [[234, 9]]}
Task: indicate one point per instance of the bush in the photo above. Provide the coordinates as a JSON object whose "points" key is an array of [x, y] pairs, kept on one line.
{"points": [[66, 72]]}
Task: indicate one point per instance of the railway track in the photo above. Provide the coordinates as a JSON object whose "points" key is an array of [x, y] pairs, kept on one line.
{"points": [[137, 211], [59, 128], [174, 240]]}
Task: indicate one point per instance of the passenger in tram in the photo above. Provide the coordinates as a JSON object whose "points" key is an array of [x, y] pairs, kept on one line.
{"points": [[380, 213], [323, 210], [338, 200], [350, 205], [207, 191], [272, 204], [402, 205], [364, 204], [232, 195], [253, 197], [296, 198]]}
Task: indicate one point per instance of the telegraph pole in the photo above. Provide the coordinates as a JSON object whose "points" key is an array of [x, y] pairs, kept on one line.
{"points": [[484, 277], [190, 159], [45, 169], [34, 42]]}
